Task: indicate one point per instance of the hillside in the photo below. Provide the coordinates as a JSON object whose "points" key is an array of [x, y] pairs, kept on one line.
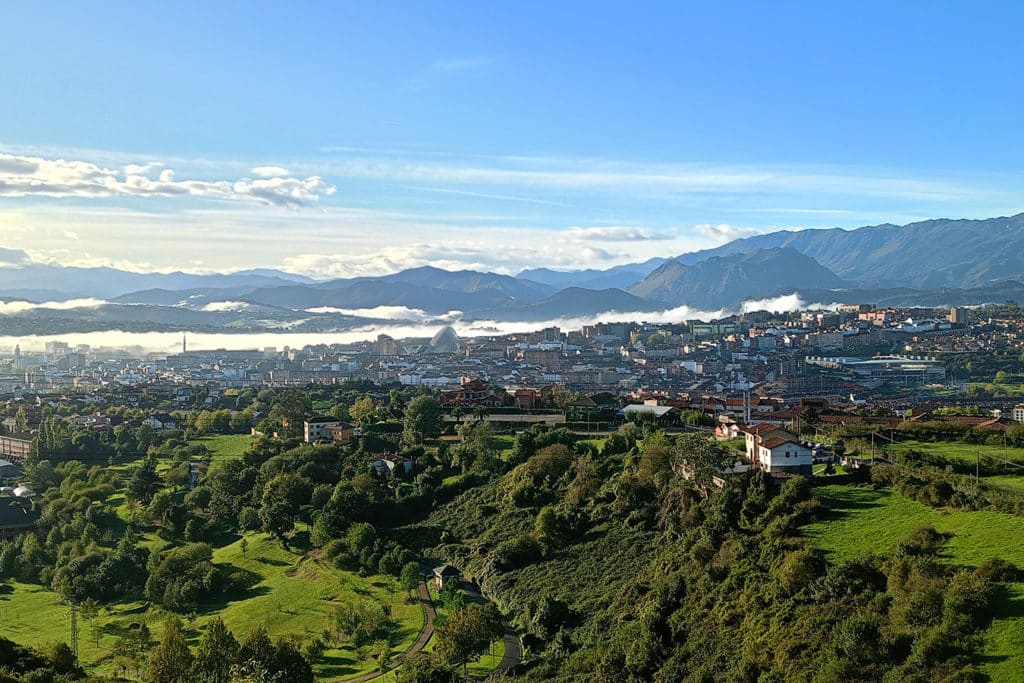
{"points": [[726, 281], [927, 254], [617, 277], [614, 569]]}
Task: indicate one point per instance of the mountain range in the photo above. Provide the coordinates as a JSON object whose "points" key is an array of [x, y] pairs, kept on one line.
{"points": [[935, 263]]}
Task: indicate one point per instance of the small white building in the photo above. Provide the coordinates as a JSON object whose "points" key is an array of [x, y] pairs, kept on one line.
{"points": [[777, 451]]}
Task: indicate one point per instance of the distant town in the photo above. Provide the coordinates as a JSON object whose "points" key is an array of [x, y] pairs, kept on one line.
{"points": [[857, 362]]}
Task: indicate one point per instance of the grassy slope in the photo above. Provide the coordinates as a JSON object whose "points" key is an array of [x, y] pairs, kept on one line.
{"points": [[296, 596], [293, 595], [865, 521]]}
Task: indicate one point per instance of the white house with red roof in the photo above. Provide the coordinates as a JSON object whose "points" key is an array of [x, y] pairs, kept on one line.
{"points": [[776, 450]]}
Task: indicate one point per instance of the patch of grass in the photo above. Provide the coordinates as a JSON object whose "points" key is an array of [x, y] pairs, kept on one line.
{"points": [[954, 452], [864, 520], [292, 594], [1010, 481], [225, 445]]}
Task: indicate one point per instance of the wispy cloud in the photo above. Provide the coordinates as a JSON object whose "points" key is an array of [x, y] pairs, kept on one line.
{"points": [[493, 256], [27, 176], [437, 72]]}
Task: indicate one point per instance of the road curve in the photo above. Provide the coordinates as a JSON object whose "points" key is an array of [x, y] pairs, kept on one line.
{"points": [[426, 633]]}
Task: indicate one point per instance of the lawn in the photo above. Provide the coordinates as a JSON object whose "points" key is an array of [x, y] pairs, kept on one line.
{"points": [[293, 594], [297, 594], [1010, 481], [955, 452], [865, 520], [225, 445]]}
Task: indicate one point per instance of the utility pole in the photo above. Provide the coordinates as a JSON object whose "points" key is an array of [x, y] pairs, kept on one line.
{"points": [[977, 470], [74, 628]]}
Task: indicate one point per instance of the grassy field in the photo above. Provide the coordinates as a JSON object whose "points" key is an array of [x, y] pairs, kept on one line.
{"points": [[864, 521], [225, 445], [960, 452], [293, 594]]}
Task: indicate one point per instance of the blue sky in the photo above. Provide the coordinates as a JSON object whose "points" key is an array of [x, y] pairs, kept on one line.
{"points": [[353, 138]]}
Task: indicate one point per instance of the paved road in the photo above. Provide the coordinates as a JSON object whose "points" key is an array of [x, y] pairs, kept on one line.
{"points": [[426, 633], [513, 647]]}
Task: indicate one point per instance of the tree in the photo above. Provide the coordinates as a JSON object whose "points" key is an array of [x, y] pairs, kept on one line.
{"points": [[363, 410], [550, 530], [701, 459], [410, 577], [170, 660], [216, 654], [479, 449], [809, 419], [20, 421], [656, 458], [422, 420], [289, 408], [339, 411], [468, 633], [144, 481], [279, 506]]}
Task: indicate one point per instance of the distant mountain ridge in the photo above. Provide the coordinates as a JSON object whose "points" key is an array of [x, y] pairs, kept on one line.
{"points": [[61, 282], [932, 263], [616, 277], [724, 281], [934, 253]]}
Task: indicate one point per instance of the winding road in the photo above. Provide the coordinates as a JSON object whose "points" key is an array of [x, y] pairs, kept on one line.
{"points": [[513, 647]]}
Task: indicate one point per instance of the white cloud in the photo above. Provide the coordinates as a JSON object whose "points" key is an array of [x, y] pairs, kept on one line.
{"points": [[225, 306], [26, 176], [481, 254], [402, 313], [723, 233], [787, 303], [12, 307], [72, 235], [614, 233], [269, 171]]}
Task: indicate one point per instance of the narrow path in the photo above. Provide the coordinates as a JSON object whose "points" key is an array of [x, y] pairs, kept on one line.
{"points": [[426, 633], [513, 647]]}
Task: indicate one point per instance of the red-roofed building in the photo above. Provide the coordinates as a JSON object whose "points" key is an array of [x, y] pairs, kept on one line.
{"points": [[777, 451]]}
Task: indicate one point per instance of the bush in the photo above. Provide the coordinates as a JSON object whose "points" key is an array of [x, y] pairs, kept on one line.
{"points": [[517, 553]]}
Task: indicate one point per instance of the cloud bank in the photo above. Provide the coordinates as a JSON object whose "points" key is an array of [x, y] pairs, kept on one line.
{"points": [[14, 307], [28, 176]]}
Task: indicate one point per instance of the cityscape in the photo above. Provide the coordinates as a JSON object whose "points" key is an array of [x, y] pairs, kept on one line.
{"points": [[455, 342]]}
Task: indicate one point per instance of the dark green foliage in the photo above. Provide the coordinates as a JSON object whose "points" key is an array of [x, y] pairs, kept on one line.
{"points": [[672, 582], [144, 481], [183, 577]]}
